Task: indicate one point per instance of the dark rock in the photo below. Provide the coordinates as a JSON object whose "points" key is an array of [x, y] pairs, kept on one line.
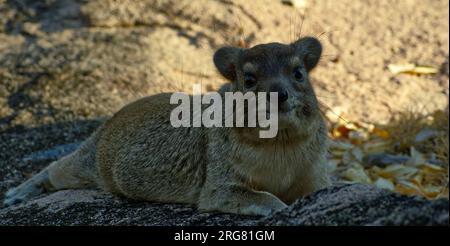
{"points": [[361, 205], [90, 207], [340, 205], [383, 160]]}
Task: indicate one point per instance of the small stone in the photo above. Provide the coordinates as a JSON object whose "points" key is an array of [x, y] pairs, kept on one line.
{"points": [[425, 134]]}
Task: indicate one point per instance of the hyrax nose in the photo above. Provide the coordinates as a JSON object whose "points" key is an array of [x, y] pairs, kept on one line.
{"points": [[282, 92]]}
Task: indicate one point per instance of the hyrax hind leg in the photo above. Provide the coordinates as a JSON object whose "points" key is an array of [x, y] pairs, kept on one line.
{"points": [[76, 170]]}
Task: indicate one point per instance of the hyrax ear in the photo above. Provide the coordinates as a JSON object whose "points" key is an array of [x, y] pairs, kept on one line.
{"points": [[310, 50], [226, 59]]}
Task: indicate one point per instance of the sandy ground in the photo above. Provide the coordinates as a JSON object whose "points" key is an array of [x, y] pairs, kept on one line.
{"points": [[65, 65]]}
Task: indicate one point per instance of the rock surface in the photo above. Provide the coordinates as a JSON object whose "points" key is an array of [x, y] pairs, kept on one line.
{"points": [[361, 205], [340, 205]]}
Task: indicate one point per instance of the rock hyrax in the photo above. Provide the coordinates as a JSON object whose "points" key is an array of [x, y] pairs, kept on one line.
{"points": [[138, 154]]}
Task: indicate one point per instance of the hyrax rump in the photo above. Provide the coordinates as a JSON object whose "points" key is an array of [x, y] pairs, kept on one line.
{"points": [[140, 155]]}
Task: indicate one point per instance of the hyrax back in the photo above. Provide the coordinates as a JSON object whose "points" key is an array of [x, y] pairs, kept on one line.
{"points": [[140, 155]]}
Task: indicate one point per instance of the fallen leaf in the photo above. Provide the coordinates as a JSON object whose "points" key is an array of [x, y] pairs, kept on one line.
{"points": [[341, 132], [397, 172], [381, 133], [376, 146], [411, 68], [358, 137], [356, 175], [295, 3], [341, 145], [407, 188], [416, 159], [424, 70], [431, 191]]}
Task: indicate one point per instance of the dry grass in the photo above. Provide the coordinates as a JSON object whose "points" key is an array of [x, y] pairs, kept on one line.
{"points": [[405, 126]]}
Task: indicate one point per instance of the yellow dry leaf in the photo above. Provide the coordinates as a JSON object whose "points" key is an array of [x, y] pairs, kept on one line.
{"points": [[376, 146], [358, 137], [356, 141], [417, 179], [416, 159], [433, 177], [340, 132], [381, 133], [407, 188], [367, 126], [295, 3], [337, 152], [357, 175], [431, 191], [429, 168], [424, 70], [399, 68], [411, 68], [373, 172], [353, 126], [397, 172], [341, 145], [444, 194]]}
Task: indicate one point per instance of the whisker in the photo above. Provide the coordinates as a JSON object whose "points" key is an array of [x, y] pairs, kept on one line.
{"points": [[321, 34], [290, 29], [303, 19], [295, 23], [329, 108], [324, 34], [224, 35]]}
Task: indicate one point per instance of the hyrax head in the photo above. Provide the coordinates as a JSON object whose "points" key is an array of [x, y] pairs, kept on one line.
{"points": [[275, 67]]}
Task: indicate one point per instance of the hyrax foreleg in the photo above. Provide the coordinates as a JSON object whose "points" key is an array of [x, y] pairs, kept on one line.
{"points": [[240, 200]]}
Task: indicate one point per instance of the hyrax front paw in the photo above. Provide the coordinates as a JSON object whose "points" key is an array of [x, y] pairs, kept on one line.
{"points": [[242, 201]]}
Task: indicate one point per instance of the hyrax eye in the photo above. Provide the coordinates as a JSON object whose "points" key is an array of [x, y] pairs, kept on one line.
{"points": [[249, 81], [298, 74]]}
